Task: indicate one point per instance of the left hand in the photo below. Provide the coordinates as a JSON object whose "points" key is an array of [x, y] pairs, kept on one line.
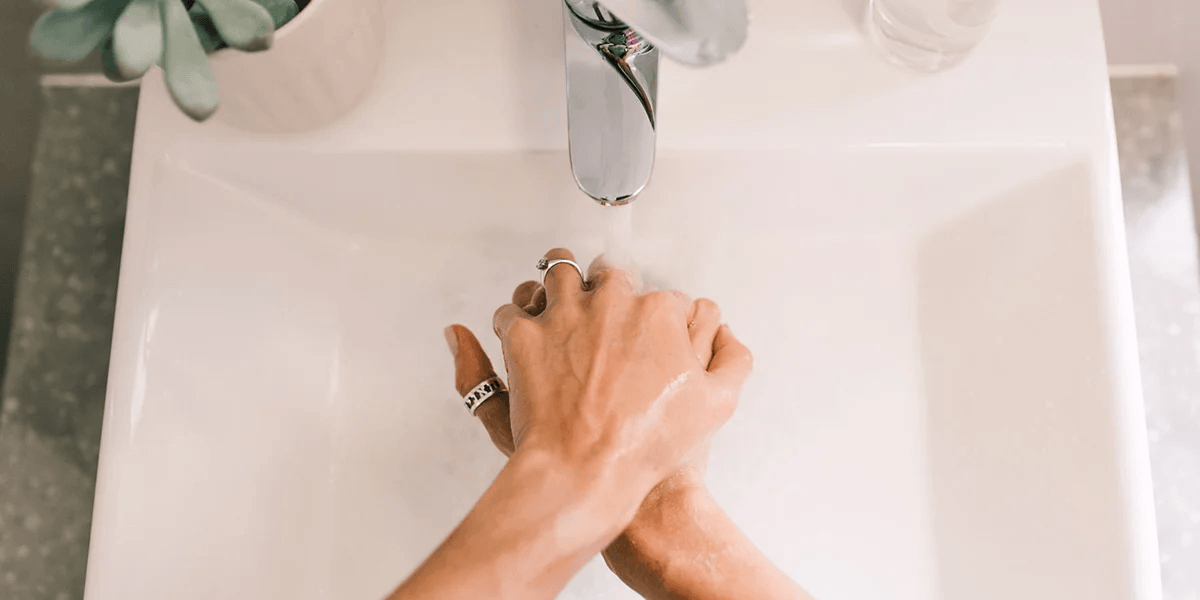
{"points": [[471, 366]]}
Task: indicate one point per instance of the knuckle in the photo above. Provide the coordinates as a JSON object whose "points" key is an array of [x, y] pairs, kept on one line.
{"points": [[708, 308], [498, 320], [598, 267], [659, 300], [612, 287], [747, 358], [525, 290], [521, 331]]}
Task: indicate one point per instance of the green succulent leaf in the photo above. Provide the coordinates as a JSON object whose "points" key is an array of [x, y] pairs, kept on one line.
{"points": [[206, 30], [137, 39], [70, 34], [281, 11], [108, 62], [241, 23], [70, 4], [185, 66]]}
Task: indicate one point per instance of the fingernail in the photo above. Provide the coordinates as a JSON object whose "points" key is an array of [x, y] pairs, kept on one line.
{"points": [[451, 340]]}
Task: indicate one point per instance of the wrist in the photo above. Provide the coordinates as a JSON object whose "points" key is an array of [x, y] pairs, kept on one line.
{"points": [[535, 526], [642, 554], [672, 505], [599, 465], [592, 500]]}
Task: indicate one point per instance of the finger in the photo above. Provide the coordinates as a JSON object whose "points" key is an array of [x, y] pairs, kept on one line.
{"points": [[562, 280], [598, 269], [504, 318], [538, 303], [703, 324], [602, 272], [523, 295], [471, 363], [732, 361], [472, 367], [495, 418], [684, 302]]}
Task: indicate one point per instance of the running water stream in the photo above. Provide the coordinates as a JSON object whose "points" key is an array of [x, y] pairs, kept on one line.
{"points": [[618, 239]]}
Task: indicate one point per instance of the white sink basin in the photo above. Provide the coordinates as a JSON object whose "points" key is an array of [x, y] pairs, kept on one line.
{"points": [[930, 399], [944, 405]]}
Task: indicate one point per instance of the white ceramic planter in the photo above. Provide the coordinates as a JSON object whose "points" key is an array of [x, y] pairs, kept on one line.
{"points": [[320, 65]]}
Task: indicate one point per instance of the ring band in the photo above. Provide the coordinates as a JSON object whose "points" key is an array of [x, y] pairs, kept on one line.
{"points": [[544, 265], [483, 392]]}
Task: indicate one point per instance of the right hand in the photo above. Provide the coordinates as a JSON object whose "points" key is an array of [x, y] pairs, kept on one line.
{"points": [[609, 375]]}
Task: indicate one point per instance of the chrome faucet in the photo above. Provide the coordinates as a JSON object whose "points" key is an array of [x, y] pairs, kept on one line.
{"points": [[612, 80]]}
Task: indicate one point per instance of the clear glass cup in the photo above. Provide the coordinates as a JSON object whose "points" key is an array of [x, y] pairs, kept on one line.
{"points": [[928, 35]]}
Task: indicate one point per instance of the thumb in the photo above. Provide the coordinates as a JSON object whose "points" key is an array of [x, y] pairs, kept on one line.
{"points": [[471, 368], [732, 361]]}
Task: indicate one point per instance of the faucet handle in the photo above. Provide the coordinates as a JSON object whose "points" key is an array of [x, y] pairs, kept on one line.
{"points": [[693, 32]]}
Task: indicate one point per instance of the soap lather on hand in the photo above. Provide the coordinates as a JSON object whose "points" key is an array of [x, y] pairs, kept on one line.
{"points": [[614, 393]]}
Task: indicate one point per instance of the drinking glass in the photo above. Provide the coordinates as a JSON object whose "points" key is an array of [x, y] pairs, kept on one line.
{"points": [[928, 35]]}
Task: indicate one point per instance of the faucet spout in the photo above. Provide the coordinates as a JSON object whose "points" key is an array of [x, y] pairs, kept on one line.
{"points": [[612, 80], [621, 49], [612, 94]]}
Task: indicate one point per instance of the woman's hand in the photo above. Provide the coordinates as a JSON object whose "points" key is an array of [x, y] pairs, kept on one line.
{"points": [[605, 373], [606, 379], [472, 366], [610, 393]]}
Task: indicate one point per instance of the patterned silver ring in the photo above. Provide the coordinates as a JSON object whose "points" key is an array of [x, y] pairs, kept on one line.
{"points": [[544, 265], [483, 392]]}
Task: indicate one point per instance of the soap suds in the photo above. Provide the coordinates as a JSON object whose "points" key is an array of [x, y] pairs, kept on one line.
{"points": [[675, 385]]}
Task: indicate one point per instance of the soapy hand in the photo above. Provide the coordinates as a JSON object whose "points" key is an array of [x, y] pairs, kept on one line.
{"points": [[616, 388], [636, 381], [471, 365]]}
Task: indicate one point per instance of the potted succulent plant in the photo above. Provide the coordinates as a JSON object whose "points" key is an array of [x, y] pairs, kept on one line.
{"points": [[288, 88]]}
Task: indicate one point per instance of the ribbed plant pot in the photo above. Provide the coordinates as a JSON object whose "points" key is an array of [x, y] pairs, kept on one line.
{"points": [[319, 67]]}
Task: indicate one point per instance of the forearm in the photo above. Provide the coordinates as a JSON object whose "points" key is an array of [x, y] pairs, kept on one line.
{"points": [[682, 546], [531, 531]]}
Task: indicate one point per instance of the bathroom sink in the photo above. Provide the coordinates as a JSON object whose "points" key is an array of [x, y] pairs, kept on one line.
{"points": [[945, 400], [931, 397]]}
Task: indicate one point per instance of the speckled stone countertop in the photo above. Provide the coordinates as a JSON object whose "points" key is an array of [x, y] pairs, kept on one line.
{"points": [[1161, 229], [53, 394]]}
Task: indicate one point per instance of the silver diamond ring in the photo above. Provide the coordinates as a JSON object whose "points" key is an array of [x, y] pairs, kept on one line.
{"points": [[546, 264]]}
